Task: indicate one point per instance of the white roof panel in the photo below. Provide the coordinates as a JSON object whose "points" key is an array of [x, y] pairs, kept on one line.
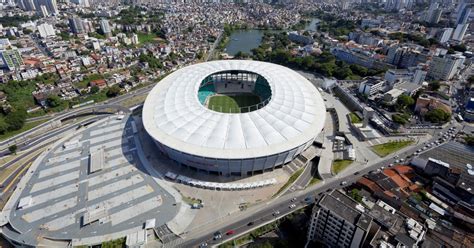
{"points": [[173, 115]]}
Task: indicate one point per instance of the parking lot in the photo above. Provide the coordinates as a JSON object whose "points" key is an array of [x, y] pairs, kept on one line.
{"points": [[66, 198]]}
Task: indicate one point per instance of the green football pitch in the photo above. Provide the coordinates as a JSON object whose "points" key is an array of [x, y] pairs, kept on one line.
{"points": [[232, 104]]}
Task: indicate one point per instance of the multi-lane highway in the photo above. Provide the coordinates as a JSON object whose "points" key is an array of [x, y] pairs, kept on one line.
{"points": [[112, 104], [264, 212]]}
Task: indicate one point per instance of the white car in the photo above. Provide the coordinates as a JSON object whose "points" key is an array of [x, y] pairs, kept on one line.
{"points": [[292, 206], [343, 183]]}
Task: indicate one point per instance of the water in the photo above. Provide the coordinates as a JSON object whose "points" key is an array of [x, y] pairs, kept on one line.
{"points": [[313, 25], [244, 41]]}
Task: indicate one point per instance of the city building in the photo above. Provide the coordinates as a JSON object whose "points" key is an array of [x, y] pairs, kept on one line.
{"points": [[46, 30], [298, 38], [256, 138], [425, 102], [450, 167], [105, 28], [463, 14], [44, 7], [469, 110], [444, 35], [361, 58], [10, 59], [445, 67], [77, 26], [460, 31], [339, 221], [394, 75], [406, 56], [371, 86], [434, 13]]}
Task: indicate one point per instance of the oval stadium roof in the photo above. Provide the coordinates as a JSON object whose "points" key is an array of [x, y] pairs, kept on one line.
{"points": [[173, 115]]}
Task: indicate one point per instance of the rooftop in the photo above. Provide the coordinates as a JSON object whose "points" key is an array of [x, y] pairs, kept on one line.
{"points": [[173, 115], [346, 208]]}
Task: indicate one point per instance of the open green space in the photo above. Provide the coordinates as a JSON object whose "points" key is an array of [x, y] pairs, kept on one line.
{"points": [[232, 104], [26, 127], [384, 149], [146, 38], [339, 165], [354, 118]]}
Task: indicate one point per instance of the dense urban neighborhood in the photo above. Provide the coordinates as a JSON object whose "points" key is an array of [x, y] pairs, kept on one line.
{"points": [[236, 123]]}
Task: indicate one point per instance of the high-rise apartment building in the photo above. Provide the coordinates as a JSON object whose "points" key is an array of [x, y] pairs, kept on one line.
{"points": [[76, 25], [445, 67], [339, 221]]}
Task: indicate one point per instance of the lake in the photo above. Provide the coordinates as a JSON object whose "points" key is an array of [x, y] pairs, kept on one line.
{"points": [[248, 39], [244, 41]]}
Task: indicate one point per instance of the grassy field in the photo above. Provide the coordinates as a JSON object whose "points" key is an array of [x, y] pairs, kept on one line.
{"points": [[339, 165], [354, 118], [146, 38], [232, 104], [27, 126], [384, 149]]}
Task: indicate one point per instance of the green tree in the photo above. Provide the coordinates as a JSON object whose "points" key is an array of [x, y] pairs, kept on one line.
{"points": [[405, 101], [435, 85], [3, 126], [437, 116], [400, 119], [94, 89], [54, 101], [16, 119], [355, 195], [113, 91], [12, 149]]}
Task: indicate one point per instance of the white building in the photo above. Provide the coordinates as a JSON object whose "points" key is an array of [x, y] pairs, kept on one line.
{"points": [[135, 39], [445, 34], [370, 87], [460, 31], [46, 30], [105, 28], [444, 68], [250, 139]]}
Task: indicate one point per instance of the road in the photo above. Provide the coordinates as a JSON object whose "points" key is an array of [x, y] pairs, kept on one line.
{"points": [[216, 42], [263, 212], [40, 139]]}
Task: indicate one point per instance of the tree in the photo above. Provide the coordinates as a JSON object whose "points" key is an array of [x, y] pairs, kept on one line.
{"points": [[94, 89], [3, 126], [400, 119], [12, 149], [113, 91], [435, 85], [54, 101], [241, 55], [405, 101], [16, 119], [437, 116], [355, 195]]}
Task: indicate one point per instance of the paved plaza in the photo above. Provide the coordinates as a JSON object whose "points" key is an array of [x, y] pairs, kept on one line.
{"points": [[63, 194]]}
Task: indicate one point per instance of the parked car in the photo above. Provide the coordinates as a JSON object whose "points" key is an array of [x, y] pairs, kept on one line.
{"points": [[230, 232], [292, 206]]}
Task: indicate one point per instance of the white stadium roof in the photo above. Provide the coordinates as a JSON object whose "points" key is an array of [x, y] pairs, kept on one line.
{"points": [[173, 115]]}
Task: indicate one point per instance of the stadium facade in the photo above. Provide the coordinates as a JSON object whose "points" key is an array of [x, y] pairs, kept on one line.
{"points": [[251, 139]]}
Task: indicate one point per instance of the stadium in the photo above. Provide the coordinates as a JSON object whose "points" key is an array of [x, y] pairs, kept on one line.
{"points": [[233, 117]]}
